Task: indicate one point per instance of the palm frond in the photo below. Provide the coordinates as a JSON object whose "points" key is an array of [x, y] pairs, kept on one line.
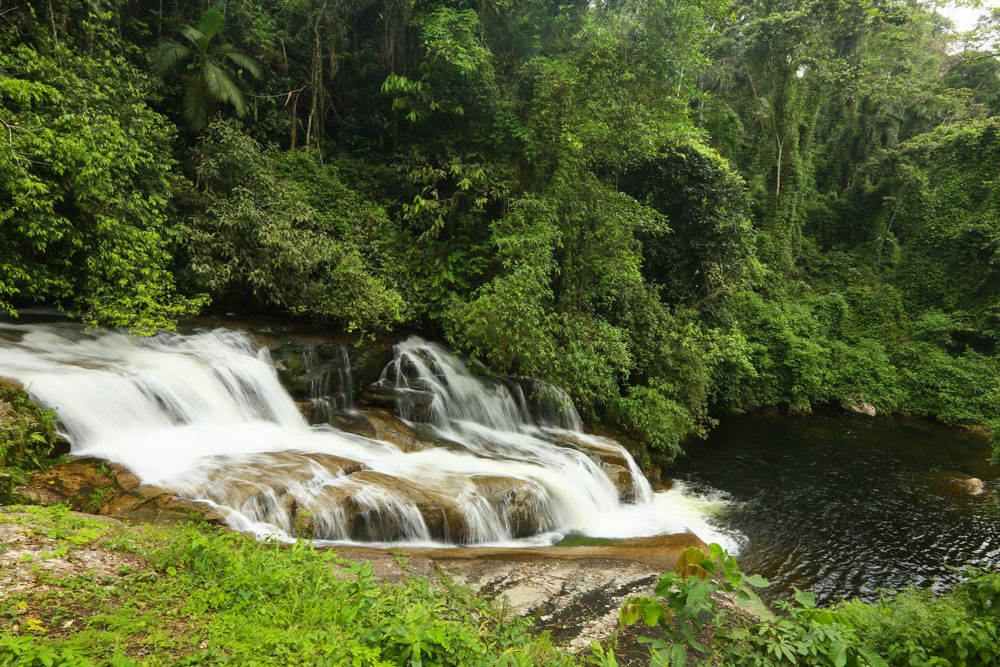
{"points": [[195, 104], [167, 55], [243, 61], [222, 88], [196, 37], [211, 23]]}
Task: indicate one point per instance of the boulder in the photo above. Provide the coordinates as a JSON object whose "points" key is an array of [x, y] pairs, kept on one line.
{"points": [[310, 369], [441, 514], [352, 421], [408, 437], [266, 487], [859, 407], [391, 429], [86, 483], [362, 507], [167, 508], [102, 487], [606, 453], [654, 474], [519, 501], [404, 366], [952, 482], [367, 363], [546, 404], [312, 365], [621, 477], [413, 404], [971, 485]]}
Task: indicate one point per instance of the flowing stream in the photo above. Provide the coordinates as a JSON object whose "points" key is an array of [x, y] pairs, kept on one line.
{"points": [[205, 416], [836, 504], [843, 505]]}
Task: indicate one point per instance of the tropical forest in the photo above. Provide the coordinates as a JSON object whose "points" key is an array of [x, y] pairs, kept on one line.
{"points": [[497, 332]]}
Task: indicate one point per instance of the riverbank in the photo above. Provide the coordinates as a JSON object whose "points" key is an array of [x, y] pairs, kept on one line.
{"points": [[89, 587]]}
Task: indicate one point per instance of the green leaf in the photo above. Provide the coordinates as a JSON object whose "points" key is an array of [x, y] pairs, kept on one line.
{"points": [[805, 599]]}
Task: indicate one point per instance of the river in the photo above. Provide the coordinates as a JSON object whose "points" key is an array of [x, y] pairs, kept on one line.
{"points": [[844, 505]]}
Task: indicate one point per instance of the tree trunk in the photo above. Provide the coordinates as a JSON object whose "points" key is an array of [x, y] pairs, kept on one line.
{"points": [[777, 185]]}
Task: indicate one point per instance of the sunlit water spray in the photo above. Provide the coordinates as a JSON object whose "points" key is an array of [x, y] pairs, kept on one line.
{"points": [[205, 416]]}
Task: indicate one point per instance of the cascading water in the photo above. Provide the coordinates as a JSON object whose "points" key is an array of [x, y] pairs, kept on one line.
{"points": [[204, 416]]}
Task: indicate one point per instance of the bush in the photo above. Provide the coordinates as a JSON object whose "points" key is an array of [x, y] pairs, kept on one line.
{"points": [[647, 416], [281, 230], [909, 628], [27, 434]]}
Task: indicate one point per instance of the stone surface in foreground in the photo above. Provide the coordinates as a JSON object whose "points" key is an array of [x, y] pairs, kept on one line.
{"points": [[573, 592]]}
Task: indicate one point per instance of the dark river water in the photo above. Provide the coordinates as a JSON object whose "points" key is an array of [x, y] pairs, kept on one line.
{"points": [[844, 505]]}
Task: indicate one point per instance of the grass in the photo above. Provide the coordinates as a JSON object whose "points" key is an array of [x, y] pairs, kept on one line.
{"points": [[75, 590]]}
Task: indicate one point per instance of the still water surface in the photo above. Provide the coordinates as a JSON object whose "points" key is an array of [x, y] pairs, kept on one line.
{"points": [[844, 505]]}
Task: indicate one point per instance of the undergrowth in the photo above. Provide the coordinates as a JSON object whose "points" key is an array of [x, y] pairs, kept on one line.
{"points": [[28, 438], [911, 628], [190, 595]]}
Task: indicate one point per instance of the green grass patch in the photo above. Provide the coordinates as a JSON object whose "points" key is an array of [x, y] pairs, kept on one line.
{"points": [[191, 595]]}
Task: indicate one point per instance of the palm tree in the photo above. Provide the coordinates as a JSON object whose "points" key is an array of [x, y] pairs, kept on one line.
{"points": [[209, 83]]}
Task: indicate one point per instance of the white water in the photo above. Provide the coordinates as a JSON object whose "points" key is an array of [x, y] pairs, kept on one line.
{"points": [[205, 416]]}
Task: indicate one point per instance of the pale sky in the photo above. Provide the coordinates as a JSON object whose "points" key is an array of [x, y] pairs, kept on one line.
{"points": [[965, 17]]}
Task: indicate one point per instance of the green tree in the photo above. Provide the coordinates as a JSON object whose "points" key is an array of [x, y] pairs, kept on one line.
{"points": [[83, 190], [208, 83]]}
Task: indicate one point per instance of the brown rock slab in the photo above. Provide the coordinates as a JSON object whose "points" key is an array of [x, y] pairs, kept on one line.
{"points": [[573, 592], [519, 502]]}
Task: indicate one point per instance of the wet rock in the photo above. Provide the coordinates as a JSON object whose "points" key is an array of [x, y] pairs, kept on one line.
{"points": [[309, 361], [83, 483], [310, 369], [442, 516], [605, 452], [952, 482], [547, 404], [367, 363], [110, 489], [621, 477], [321, 410], [519, 502], [411, 404], [267, 487], [972, 485], [354, 422], [654, 474], [405, 367], [390, 428], [408, 437], [167, 508], [376, 507], [10, 384], [598, 448], [264, 486], [336, 465], [859, 408], [428, 436]]}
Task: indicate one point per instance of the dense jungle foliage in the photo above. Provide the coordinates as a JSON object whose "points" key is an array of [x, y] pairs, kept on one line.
{"points": [[668, 207]]}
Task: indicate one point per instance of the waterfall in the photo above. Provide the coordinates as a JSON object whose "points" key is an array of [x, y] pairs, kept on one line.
{"points": [[204, 416]]}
